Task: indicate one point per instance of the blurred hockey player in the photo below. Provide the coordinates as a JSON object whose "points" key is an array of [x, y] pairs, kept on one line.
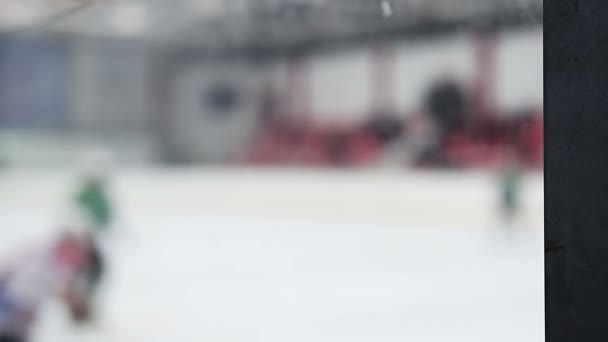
{"points": [[53, 270], [93, 206], [510, 187], [92, 196]]}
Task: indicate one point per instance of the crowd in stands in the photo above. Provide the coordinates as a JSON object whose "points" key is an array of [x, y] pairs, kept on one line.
{"points": [[415, 141]]}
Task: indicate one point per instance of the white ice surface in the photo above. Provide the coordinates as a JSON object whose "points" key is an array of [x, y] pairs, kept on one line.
{"points": [[205, 275]]}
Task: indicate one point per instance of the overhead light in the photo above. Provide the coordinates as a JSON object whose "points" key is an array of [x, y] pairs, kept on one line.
{"points": [[130, 19]]}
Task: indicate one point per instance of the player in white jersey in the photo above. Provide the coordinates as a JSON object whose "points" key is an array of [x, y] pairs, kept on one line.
{"points": [[51, 271]]}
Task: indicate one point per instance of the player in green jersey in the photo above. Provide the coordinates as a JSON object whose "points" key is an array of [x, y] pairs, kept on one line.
{"points": [[510, 187]]}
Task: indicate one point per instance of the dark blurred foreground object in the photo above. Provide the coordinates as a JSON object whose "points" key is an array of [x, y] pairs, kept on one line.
{"points": [[576, 170]]}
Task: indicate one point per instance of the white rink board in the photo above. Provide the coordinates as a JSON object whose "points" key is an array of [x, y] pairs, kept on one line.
{"points": [[266, 255]]}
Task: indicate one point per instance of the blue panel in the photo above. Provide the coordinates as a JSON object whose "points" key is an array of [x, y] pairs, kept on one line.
{"points": [[33, 84]]}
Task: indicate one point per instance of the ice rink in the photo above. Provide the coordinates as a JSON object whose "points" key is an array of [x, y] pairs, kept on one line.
{"points": [[264, 255]]}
